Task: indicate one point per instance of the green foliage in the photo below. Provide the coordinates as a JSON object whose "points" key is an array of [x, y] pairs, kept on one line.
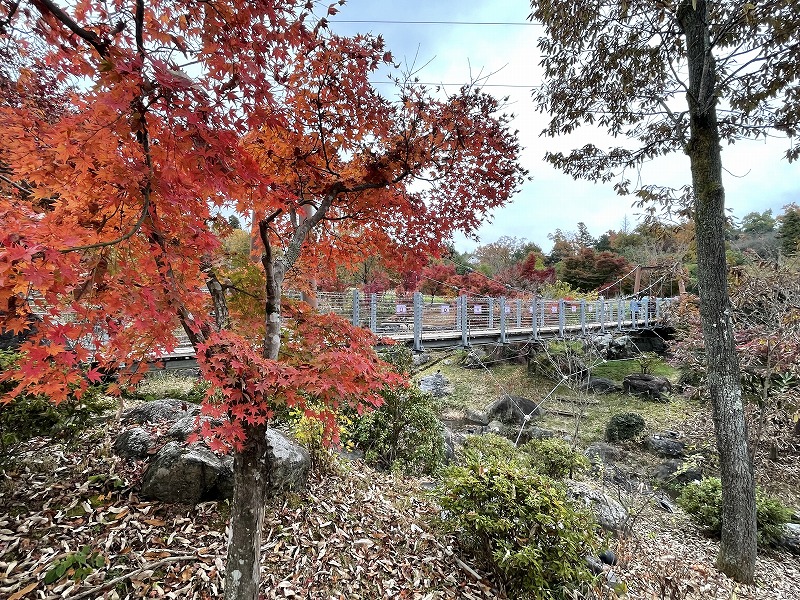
{"points": [[554, 457], [789, 231], [703, 501], [166, 384], [519, 524], [28, 416], [488, 448], [755, 222], [647, 361], [403, 434], [76, 565], [624, 426], [310, 433], [618, 369]]}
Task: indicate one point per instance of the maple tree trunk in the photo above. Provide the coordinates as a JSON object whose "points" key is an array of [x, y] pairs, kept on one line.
{"points": [[251, 469], [737, 553]]}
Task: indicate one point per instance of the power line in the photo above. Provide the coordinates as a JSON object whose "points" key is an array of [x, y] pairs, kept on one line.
{"points": [[399, 22]]}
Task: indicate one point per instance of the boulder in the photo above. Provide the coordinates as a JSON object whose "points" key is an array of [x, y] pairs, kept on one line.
{"points": [[512, 409], [420, 358], [476, 416], [610, 514], [791, 538], [648, 341], [601, 452], [666, 443], [183, 428], [158, 411], [474, 358], [437, 385], [601, 385], [679, 472], [191, 474], [188, 474], [624, 426], [133, 443], [644, 384], [533, 433]]}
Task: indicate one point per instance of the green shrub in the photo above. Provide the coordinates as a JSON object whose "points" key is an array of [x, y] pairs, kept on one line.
{"points": [[519, 525], [488, 448], [554, 457], [624, 426], [404, 433], [703, 501]]}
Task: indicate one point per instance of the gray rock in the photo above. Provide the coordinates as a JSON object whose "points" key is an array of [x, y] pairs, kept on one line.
{"points": [[420, 358], [533, 433], [666, 444], [512, 409], [601, 452], [610, 514], [183, 428], [650, 386], [449, 443], [600, 385], [157, 411], [474, 359], [187, 475], [791, 538], [679, 472], [495, 427], [437, 385], [191, 474], [476, 416], [133, 443]]}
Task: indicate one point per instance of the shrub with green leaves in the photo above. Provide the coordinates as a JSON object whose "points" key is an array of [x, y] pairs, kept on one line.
{"points": [[624, 426], [703, 501], [76, 565], [404, 433], [554, 457], [487, 448], [519, 524]]}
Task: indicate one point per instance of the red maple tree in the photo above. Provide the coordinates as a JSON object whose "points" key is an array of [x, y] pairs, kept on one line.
{"points": [[175, 110]]}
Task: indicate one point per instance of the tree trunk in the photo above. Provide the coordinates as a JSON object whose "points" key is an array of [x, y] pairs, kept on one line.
{"points": [[251, 469], [737, 553]]}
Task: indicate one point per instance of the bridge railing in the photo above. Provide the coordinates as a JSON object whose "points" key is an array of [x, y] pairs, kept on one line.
{"points": [[410, 317]]}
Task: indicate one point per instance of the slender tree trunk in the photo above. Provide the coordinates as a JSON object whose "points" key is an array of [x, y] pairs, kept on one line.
{"points": [[737, 552]]}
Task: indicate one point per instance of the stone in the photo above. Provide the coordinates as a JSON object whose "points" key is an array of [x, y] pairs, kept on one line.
{"points": [[679, 472], [791, 538], [601, 452], [650, 386], [610, 514], [183, 428], [476, 416], [187, 475], [649, 341], [601, 385], [474, 359], [666, 444], [157, 411], [437, 385], [190, 474], [533, 433], [420, 358], [624, 426], [134, 443], [512, 409], [495, 427]]}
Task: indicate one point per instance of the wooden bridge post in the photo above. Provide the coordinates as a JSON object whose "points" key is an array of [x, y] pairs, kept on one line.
{"points": [[417, 321], [356, 307], [464, 322], [519, 313], [502, 319], [491, 313], [562, 316], [620, 313], [373, 313], [534, 318]]}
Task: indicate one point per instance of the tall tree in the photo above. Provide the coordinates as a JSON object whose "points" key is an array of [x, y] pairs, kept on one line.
{"points": [[110, 210], [654, 72], [789, 231]]}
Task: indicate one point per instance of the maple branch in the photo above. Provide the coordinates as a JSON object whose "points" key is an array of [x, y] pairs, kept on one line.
{"points": [[139, 20], [21, 188], [136, 227], [88, 36]]}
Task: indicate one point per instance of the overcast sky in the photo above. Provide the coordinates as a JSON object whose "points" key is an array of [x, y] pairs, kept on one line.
{"points": [[757, 178]]}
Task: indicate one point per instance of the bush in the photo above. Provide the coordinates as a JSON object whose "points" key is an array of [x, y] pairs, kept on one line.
{"points": [[404, 433], [165, 384], [554, 457], [624, 426], [703, 501], [488, 448], [519, 525]]}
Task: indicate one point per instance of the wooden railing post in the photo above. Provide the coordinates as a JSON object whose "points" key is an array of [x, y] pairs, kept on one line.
{"points": [[418, 321], [502, 319]]}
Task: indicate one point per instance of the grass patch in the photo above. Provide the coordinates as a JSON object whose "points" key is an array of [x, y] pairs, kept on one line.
{"points": [[616, 370], [165, 384]]}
